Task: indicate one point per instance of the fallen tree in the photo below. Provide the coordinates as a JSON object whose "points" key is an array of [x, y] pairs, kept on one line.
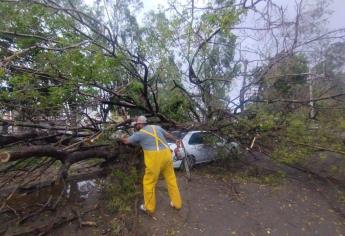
{"points": [[70, 157]]}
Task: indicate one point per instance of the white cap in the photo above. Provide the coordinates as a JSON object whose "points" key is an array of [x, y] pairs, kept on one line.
{"points": [[141, 120]]}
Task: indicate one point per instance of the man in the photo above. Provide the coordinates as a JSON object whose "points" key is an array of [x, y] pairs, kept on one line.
{"points": [[158, 158]]}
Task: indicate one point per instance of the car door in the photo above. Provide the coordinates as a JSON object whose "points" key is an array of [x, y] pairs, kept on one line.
{"points": [[197, 148], [212, 144]]}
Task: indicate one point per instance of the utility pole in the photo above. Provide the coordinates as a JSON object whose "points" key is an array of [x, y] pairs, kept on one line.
{"points": [[244, 84], [311, 96]]}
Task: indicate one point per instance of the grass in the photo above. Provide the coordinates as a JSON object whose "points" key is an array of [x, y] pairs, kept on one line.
{"points": [[117, 225], [122, 190]]}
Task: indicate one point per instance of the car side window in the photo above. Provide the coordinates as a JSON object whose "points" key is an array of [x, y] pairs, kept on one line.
{"points": [[211, 139], [195, 139]]}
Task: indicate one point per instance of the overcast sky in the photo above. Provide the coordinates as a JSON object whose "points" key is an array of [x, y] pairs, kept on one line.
{"points": [[337, 19]]}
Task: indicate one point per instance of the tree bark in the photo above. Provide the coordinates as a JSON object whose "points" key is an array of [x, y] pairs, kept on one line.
{"points": [[69, 157]]}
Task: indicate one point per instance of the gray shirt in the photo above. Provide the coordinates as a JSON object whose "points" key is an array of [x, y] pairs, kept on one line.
{"points": [[146, 141]]}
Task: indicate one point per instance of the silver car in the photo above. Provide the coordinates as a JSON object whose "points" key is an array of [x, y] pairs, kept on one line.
{"points": [[202, 146]]}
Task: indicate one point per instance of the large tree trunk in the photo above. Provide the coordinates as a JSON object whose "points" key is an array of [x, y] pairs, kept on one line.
{"points": [[70, 157]]}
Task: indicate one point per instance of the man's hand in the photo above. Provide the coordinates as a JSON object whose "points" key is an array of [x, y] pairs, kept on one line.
{"points": [[123, 138]]}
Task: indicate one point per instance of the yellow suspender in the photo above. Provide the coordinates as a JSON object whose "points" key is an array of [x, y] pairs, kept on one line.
{"points": [[154, 134], [156, 137]]}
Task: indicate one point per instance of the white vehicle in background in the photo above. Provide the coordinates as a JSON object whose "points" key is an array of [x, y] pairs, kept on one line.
{"points": [[202, 147]]}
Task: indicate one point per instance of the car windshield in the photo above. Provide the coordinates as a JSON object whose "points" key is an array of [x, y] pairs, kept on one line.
{"points": [[177, 134]]}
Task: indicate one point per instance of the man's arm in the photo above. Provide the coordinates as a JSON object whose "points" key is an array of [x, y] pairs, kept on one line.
{"points": [[134, 138], [170, 136], [124, 140]]}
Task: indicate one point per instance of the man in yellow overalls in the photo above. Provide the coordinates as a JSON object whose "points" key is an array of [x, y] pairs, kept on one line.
{"points": [[158, 159]]}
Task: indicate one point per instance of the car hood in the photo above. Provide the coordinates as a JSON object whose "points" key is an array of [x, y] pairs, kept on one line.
{"points": [[172, 146]]}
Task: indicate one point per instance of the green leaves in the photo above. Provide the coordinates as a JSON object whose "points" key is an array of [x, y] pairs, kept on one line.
{"points": [[173, 104], [57, 95], [2, 72], [122, 191], [225, 17]]}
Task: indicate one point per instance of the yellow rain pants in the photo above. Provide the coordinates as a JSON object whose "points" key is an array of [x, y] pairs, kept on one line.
{"points": [[156, 162]]}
